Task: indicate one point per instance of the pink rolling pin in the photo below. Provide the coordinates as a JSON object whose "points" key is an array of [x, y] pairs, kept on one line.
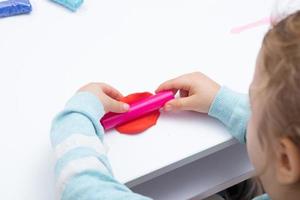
{"points": [[137, 109]]}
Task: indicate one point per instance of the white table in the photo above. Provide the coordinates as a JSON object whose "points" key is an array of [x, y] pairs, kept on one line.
{"points": [[133, 45]]}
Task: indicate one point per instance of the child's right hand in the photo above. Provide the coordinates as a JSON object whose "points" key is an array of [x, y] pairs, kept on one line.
{"points": [[108, 96], [197, 92]]}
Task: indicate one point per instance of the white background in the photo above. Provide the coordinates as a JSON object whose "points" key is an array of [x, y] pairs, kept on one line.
{"points": [[133, 45]]}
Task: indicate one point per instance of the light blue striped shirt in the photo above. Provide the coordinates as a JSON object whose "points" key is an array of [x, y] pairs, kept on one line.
{"points": [[82, 169]]}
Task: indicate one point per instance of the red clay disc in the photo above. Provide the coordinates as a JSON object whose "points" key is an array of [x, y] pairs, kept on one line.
{"points": [[142, 123]]}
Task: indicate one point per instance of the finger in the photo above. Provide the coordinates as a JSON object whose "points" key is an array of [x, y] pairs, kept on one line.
{"points": [[174, 91], [179, 83], [165, 86], [179, 104], [112, 92], [116, 106]]}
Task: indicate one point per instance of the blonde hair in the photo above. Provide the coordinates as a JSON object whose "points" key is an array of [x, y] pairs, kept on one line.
{"points": [[281, 85]]}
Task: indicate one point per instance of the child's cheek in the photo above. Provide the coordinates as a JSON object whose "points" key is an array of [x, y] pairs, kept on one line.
{"points": [[253, 147]]}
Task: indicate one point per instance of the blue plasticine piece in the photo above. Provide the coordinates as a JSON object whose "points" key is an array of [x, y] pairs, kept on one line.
{"points": [[14, 7], [70, 4]]}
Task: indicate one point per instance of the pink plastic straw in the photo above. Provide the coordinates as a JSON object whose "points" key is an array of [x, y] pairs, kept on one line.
{"points": [[137, 109], [264, 21]]}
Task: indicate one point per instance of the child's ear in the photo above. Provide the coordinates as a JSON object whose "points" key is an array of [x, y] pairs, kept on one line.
{"points": [[287, 161]]}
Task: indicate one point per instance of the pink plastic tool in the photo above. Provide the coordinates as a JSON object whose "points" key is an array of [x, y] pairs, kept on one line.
{"points": [[264, 21], [137, 109]]}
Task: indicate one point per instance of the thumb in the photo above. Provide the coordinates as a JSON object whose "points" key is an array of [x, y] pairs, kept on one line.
{"points": [[178, 104], [116, 106]]}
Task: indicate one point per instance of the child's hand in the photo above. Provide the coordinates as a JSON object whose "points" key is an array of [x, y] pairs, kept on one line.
{"points": [[108, 96], [197, 92]]}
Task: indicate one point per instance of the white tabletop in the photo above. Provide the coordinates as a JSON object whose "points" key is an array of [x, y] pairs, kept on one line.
{"points": [[133, 45]]}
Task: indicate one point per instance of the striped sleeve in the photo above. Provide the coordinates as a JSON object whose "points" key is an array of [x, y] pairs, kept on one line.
{"points": [[262, 197], [82, 169], [233, 110]]}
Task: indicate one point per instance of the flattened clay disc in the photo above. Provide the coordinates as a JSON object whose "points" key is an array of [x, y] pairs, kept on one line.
{"points": [[142, 123]]}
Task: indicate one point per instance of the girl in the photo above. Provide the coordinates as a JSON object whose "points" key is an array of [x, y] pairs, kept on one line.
{"points": [[273, 132]]}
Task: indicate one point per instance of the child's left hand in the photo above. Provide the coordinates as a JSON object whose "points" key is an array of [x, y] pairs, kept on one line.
{"points": [[108, 96]]}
